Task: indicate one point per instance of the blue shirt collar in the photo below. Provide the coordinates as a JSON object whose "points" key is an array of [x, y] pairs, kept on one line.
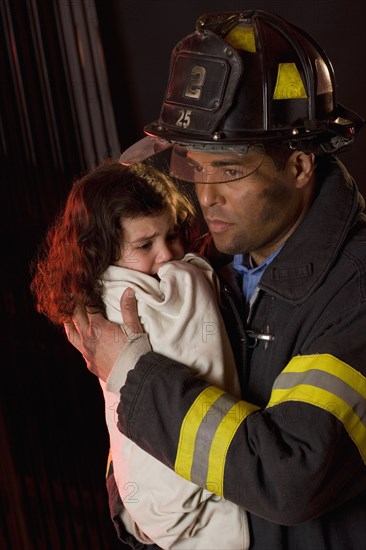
{"points": [[242, 262], [251, 275]]}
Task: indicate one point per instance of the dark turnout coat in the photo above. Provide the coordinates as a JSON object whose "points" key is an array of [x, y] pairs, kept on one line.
{"points": [[292, 451]]}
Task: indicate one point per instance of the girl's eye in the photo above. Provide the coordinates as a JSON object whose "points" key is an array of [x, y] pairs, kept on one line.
{"points": [[145, 246], [173, 237]]}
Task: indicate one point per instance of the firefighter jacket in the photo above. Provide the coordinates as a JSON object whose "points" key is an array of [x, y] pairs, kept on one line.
{"points": [[292, 450]]}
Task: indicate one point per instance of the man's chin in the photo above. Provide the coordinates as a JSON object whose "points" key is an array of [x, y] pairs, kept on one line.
{"points": [[226, 246]]}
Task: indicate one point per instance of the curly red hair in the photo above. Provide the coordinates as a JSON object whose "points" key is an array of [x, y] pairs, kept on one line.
{"points": [[87, 235]]}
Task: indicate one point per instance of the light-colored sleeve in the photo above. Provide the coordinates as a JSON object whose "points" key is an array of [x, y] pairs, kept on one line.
{"points": [[138, 344]]}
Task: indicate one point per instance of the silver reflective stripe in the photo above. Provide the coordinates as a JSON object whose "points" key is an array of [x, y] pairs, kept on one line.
{"points": [[328, 382], [205, 435]]}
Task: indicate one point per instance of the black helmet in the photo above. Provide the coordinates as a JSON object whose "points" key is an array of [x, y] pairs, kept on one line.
{"points": [[245, 78]]}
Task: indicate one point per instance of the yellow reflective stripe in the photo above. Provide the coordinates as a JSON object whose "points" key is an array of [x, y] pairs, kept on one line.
{"points": [[221, 443], [189, 428], [328, 363], [242, 38], [314, 394], [109, 460], [289, 83]]}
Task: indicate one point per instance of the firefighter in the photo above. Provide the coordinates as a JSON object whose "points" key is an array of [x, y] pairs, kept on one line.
{"points": [[250, 119]]}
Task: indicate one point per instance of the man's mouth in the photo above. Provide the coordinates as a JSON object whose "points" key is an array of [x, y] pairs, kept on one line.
{"points": [[216, 225]]}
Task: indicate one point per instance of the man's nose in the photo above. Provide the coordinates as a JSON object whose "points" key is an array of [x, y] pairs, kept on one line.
{"points": [[209, 194]]}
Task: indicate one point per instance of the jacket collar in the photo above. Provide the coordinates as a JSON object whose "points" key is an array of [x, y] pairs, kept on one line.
{"points": [[309, 253]]}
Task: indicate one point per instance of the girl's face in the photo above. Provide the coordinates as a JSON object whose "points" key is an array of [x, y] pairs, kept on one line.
{"points": [[150, 241]]}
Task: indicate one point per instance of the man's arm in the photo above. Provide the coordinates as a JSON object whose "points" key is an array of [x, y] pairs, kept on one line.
{"points": [[290, 462]]}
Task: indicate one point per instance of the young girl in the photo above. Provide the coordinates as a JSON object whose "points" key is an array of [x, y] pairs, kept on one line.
{"points": [[130, 227]]}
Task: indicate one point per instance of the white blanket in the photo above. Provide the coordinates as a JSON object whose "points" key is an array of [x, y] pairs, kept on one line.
{"points": [[180, 313]]}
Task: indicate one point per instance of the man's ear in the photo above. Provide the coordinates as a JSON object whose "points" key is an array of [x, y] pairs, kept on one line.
{"points": [[301, 166]]}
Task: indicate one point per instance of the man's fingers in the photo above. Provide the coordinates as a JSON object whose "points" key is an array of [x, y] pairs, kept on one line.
{"points": [[80, 318], [73, 336], [83, 330], [98, 340], [129, 311], [74, 330]]}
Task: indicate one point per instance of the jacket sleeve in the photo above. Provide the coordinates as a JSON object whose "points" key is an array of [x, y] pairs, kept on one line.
{"points": [[289, 462], [157, 505]]}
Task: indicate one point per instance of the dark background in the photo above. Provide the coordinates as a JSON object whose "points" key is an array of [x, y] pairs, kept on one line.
{"points": [[78, 80]]}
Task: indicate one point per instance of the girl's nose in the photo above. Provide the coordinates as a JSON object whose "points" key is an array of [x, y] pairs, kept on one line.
{"points": [[165, 254]]}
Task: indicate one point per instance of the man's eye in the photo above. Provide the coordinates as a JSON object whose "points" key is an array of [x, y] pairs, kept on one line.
{"points": [[232, 173]]}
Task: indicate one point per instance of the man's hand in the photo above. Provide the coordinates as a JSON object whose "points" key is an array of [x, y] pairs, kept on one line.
{"points": [[100, 341]]}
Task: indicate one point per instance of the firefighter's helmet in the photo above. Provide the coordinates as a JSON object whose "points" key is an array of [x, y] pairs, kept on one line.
{"points": [[249, 78]]}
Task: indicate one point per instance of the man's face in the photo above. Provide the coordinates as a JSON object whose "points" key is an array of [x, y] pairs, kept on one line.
{"points": [[252, 214]]}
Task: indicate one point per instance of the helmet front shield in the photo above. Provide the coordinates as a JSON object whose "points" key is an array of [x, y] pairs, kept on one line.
{"points": [[199, 163], [143, 149], [224, 165]]}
